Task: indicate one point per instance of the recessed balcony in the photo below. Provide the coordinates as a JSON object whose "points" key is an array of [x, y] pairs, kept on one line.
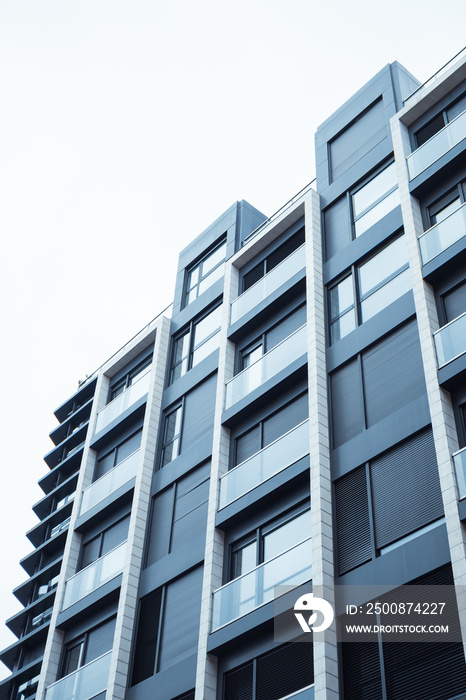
{"points": [[256, 587], [93, 576], [450, 341], [267, 366], [268, 284], [109, 482], [443, 141], [124, 400], [83, 684], [443, 235], [264, 464]]}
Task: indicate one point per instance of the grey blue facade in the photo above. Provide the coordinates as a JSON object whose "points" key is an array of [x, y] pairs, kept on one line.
{"points": [[297, 415]]}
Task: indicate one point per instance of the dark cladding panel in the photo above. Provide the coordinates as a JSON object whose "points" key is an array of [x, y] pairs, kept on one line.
{"points": [[337, 227], [198, 416], [353, 521], [347, 413], [357, 139]]}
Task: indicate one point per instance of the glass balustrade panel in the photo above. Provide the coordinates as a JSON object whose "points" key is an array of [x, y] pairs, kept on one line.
{"points": [[451, 134], [268, 284], [124, 400], [110, 482], [83, 684], [443, 235], [94, 575], [268, 366], [450, 341], [459, 460], [244, 594], [264, 464]]}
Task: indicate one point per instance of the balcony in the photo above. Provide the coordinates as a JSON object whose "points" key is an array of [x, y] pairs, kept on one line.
{"points": [[433, 149], [123, 401], [255, 588], [83, 684], [94, 575], [269, 283], [450, 341], [267, 366], [60, 527], [443, 235], [109, 482], [304, 694], [459, 460], [264, 464]]}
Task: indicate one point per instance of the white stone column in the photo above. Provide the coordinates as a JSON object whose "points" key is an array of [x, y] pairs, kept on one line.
{"points": [[325, 652]]}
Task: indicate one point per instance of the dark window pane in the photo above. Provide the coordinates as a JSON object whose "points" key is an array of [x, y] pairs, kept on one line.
{"points": [[427, 131], [146, 637]]}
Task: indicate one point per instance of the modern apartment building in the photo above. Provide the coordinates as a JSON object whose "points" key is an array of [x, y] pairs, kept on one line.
{"points": [[297, 415]]}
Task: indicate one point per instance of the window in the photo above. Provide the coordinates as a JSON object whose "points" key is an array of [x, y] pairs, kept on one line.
{"points": [[372, 386], [375, 284], [122, 384], [375, 199], [179, 514], [88, 647], [273, 259], [189, 421], [104, 542], [401, 490], [171, 436], [201, 338], [360, 208], [168, 626], [446, 204], [438, 122], [274, 675], [453, 303], [268, 541], [205, 273], [117, 455], [270, 429]]}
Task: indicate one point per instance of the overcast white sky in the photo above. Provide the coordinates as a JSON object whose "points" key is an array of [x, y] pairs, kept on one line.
{"points": [[126, 128]]}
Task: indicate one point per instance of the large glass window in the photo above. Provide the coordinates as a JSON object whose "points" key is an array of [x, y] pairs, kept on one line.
{"points": [[104, 542], [205, 273], [88, 647], [375, 199], [198, 341], [375, 284], [117, 455], [273, 259]]}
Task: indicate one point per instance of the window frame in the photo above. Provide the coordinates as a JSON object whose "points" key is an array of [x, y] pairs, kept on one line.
{"points": [[83, 641], [359, 298], [178, 406], [198, 265], [444, 114], [100, 538], [265, 262], [190, 331], [127, 380]]}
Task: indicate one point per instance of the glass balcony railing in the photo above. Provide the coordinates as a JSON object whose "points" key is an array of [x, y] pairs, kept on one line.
{"points": [[264, 464], [266, 367], [459, 460], [443, 235], [433, 149], [450, 341], [268, 284], [248, 592], [304, 694], [109, 482], [60, 527], [123, 401], [83, 684], [94, 575]]}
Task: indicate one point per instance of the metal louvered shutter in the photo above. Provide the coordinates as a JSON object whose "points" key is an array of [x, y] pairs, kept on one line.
{"points": [[198, 413], [182, 610], [248, 444], [190, 515], [347, 409], [405, 488], [160, 526], [361, 669], [393, 373], [455, 302], [289, 325], [284, 671], [352, 519], [238, 683]]}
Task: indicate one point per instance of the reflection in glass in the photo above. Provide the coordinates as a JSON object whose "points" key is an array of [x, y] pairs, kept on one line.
{"points": [[450, 341]]}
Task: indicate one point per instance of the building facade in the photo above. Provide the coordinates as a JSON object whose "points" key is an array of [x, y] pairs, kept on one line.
{"points": [[297, 415]]}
